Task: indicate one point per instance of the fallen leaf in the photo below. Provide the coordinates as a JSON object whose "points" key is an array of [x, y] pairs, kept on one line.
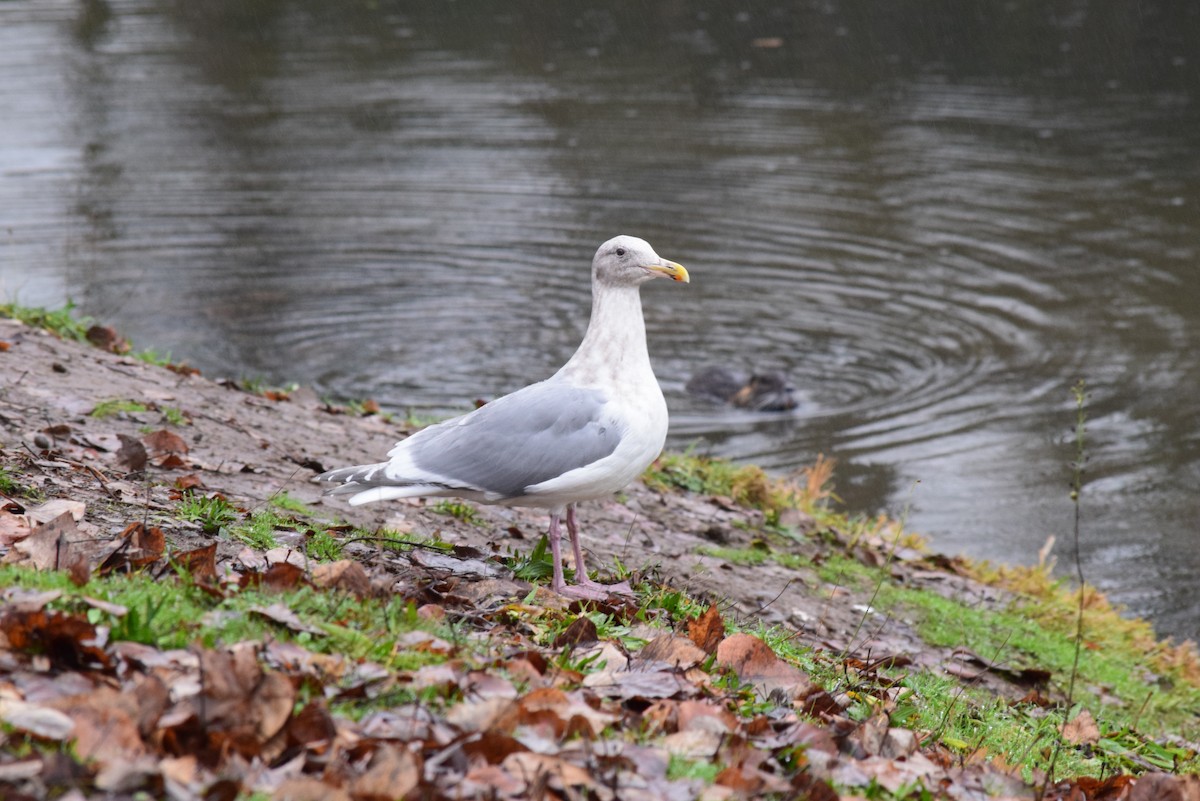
{"points": [[582, 631], [708, 630], [105, 724], [283, 615], [1081, 730], [637, 684], [346, 575], [312, 724], [163, 442], [52, 510], [190, 481], [678, 652], [755, 663], [559, 774], [13, 527], [199, 563], [393, 773], [68, 641], [48, 546], [35, 719], [107, 339]]}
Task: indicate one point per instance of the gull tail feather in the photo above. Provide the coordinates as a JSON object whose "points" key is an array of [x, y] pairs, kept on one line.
{"points": [[370, 482]]}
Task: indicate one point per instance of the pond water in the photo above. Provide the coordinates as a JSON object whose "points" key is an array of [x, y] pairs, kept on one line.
{"points": [[933, 216]]}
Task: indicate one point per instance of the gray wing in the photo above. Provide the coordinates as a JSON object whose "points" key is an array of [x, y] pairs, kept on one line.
{"points": [[533, 435]]}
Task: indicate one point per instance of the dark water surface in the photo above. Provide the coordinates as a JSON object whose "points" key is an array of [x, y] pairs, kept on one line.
{"points": [[935, 216]]}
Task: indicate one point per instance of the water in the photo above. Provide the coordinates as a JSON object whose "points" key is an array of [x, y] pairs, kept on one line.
{"points": [[934, 217]]}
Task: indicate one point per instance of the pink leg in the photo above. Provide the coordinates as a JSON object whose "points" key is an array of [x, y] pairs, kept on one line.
{"points": [[557, 583], [584, 586]]}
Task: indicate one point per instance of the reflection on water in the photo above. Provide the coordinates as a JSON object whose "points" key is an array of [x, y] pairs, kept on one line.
{"points": [[933, 217]]}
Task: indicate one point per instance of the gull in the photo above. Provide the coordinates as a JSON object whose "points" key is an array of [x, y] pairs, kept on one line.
{"points": [[582, 434]]}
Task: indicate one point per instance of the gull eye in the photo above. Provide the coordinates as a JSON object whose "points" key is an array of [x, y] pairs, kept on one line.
{"points": [[620, 251]]}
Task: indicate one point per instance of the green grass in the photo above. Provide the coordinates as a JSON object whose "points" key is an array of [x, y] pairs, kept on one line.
{"points": [[173, 416], [1019, 636], [115, 406], [62, 322], [212, 514], [258, 531], [10, 486], [459, 510], [324, 547], [175, 614], [682, 768], [281, 500]]}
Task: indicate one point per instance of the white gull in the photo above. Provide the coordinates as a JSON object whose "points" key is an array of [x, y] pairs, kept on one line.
{"points": [[582, 434]]}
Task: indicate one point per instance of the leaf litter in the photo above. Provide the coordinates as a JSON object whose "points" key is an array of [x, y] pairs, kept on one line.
{"points": [[503, 691]]}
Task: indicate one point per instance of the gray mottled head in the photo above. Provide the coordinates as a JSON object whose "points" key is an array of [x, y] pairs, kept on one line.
{"points": [[629, 261]]}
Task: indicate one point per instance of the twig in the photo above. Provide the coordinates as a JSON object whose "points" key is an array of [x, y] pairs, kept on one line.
{"points": [[1080, 393]]}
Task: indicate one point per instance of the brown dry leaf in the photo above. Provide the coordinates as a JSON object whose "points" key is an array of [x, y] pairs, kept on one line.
{"points": [[235, 678], [306, 788], [346, 575], [755, 662], [48, 546], [491, 714], [560, 774], [708, 630], [565, 713], [312, 725], [40, 721], [13, 527], [582, 631], [1165, 787], [105, 724], [425, 642], [678, 652], [485, 781], [637, 684], [199, 563], [107, 339], [393, 773], [284, 616], [131, 455], [689, 713], [68, 641], [1081, 730], [162, 442], [53, 509], [282, 576], [190, 481]]}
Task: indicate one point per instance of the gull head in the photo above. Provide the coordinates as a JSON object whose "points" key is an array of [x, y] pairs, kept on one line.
{"points": [[629, 261]]}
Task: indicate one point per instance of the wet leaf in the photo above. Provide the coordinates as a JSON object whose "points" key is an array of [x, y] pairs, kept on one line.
{"points": [[755, 663], [708, 630], [1081, 730], [107, 339], [346, 575], [163, 442], [199, 563], [582, 631], [393, 773]]}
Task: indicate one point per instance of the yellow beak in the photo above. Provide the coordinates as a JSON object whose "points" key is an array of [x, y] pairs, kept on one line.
{"points": [[676, 272]]}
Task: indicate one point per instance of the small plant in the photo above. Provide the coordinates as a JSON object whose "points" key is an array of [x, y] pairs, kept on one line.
{"points": [[11, 487], [683, 768], [259, 531], [324, 547], [537, 565], [115, 406], [459, 511], [175, 417], [281, 500], [212, 513], [62, 322]]}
